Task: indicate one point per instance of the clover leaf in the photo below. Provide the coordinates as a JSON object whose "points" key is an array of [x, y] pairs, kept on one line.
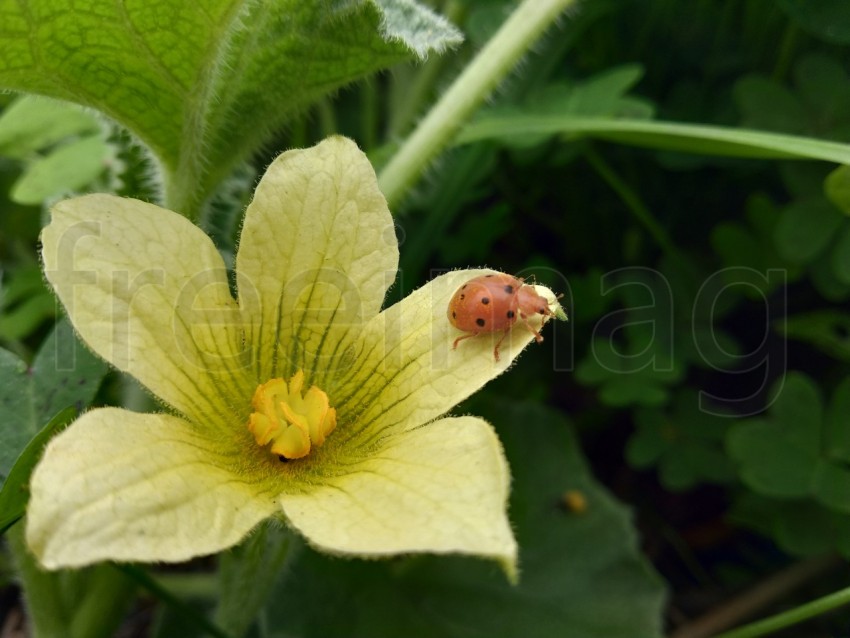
{"points": [[684, 443], [801, 448]]}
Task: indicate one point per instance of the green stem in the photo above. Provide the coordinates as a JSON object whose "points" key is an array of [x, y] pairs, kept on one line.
{"points": [[750, 602], [188, 612], [786, 53], [632, 202], [247, 574], [41, 590], [769, 626], [88, 603], [466, 94]]}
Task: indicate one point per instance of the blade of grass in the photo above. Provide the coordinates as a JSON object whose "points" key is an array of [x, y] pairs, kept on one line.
{"points": [[690, 138]]}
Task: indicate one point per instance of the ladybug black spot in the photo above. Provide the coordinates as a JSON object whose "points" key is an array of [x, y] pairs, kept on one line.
{"points": [[541, 311], [480, 322], [454, 315], [510, 314], [509, 289], [485, 300], [488, 275], [463, 287], [463, 296]]}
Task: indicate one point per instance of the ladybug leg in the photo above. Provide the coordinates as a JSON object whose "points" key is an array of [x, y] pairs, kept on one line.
{"points": [[499, 343], [461, 338], [536, 334]]}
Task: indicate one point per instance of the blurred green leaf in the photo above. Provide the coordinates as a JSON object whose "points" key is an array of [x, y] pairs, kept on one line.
{"points": [[805, 229], [825, 280], [14, 494], [824, 86], [32, 123], [747, 251], [831, 484], [27, 316], [633, 389], [602, 95], [599, 95], [800, 527], [573, 564], [63, 374], [206, 91], [827, 330], [25, 303], [789, 454], [691, 138], [586, 292], [18, 285], [66, 169], [627, 377], [766, 104], [837, 188], [475, 238], [651, 339], [771, 462], [841, 254], [737, 246], [685, 443], [827, 19], [837, 425]]}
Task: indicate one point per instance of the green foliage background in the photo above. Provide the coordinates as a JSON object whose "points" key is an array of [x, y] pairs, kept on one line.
{"points": [[679, 170]]}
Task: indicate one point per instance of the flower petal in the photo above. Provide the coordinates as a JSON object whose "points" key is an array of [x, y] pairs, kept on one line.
{"points": [[148, 292], [438, 488], [118, 485], [317, 254], [405, 371]]}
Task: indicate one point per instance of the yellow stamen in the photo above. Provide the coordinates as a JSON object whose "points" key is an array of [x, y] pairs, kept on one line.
{"points": [[290, 421]]}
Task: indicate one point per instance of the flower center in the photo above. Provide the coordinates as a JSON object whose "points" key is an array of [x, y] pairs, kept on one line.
{"points": [[291, 421]]}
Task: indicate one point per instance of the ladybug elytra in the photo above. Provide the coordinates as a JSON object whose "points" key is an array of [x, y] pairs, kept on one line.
{"points": [[492, 303]]}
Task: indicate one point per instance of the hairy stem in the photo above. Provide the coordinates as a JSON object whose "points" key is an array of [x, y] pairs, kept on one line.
{"points": [[466, 94]]}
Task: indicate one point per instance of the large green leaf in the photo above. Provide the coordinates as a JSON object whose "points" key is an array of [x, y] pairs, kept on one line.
{"points": [[691, 138], [14, 495], [203, 84], [580, 571], [63, 374]]}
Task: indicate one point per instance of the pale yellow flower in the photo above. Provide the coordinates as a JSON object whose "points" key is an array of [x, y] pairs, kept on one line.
{"points": [[298, 399]]}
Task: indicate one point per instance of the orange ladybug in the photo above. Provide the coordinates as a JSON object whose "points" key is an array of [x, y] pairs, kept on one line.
{"points": [[493, 303]]}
